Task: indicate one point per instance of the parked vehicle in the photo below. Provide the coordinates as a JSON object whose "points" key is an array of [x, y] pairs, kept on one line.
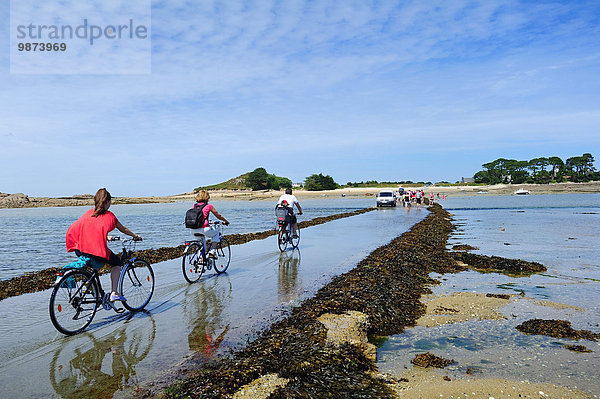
{"points": [[386, 198]]}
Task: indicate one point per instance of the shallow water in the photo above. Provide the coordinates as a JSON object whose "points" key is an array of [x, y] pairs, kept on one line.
{"points": [[559, 231], [118, 352], [34, 238]]}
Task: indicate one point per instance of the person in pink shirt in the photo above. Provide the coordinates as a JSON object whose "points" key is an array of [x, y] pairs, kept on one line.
{"points": [[87, 236], [207, 230]]}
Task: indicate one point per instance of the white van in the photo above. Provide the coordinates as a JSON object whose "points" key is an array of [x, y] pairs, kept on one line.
{"points": [[386, 197]]}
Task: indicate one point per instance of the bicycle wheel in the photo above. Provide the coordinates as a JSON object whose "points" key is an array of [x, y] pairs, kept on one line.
{"points": [[296, 241], [223, 256], [137, 284], [74, 302], [282, 237], [191, 263]]}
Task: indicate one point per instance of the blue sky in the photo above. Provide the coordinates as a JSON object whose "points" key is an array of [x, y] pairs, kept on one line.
{"points": [[359, 90]]}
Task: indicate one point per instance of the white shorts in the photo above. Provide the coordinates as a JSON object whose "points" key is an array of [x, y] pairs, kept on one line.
{"points": [[208, 232]]}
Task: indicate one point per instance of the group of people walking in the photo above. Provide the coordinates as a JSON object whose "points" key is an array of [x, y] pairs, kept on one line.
{"points": [[416, 198]]}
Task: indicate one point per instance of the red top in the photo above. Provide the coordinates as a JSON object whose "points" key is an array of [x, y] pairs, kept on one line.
{"points": [[206, 211], [88, 233]]}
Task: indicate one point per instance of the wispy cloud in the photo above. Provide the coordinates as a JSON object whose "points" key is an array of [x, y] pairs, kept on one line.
{"points": [[236, 85]]}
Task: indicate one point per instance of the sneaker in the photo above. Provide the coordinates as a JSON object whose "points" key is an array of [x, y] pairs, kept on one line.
{"points": [[114, 298], [295, 236]]}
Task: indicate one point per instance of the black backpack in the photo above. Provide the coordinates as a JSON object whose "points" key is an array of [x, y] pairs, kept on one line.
{"points": [[194, 218]]}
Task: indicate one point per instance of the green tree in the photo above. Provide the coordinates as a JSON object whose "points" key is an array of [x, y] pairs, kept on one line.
{"points": [[516, 171], [319, 182], [588, 166], [480, 177], [258, 179], [581, 167], [276, 182], [558, 167]]}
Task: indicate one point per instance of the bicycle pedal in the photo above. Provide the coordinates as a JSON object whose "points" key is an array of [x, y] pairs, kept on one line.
{"points": [[113, 307], [106, 302]]}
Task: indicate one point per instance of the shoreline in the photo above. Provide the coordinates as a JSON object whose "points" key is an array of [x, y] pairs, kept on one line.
{"points": [[19, 200]]}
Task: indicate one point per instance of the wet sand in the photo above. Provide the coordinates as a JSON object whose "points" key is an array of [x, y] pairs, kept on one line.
{"points": [[459, 307]]}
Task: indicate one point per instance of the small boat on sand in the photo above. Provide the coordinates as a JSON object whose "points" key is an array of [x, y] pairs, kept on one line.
{"points": [[522, 191]]}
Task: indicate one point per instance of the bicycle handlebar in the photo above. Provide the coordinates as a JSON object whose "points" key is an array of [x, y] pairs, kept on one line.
{"points": [[132, 239]]}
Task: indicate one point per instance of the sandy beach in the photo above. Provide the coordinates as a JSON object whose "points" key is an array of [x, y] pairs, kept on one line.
{"points": [[21, 200]]}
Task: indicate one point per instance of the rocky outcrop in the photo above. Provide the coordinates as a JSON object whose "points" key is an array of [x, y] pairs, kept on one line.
{"points": [[18, 200]]}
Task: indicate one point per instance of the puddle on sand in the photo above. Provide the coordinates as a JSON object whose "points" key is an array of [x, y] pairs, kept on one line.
{"points": [[494, 348]]}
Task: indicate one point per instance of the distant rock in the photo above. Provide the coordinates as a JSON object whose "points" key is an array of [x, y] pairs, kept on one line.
{"points": [[18, 200]]}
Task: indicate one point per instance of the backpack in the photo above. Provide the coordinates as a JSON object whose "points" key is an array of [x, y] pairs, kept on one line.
{"points": [[194, 218], [283, 214]]}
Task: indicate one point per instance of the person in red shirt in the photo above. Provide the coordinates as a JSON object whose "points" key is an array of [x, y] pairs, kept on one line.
{"points": [[87, 236]]}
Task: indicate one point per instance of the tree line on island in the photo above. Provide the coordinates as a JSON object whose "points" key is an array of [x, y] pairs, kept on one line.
{"points": [[542, 170]]}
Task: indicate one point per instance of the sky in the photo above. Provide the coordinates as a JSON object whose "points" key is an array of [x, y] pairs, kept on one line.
{"points": [[358, 90]]}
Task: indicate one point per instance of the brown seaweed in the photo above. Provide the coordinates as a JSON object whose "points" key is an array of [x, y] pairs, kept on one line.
{"points": [[578, 348], [556, 329], [501, 296], [428, 359], [498, 264], [463, 247]]}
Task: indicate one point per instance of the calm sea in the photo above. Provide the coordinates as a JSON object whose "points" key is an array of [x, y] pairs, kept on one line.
{"points": [[34, 238]]}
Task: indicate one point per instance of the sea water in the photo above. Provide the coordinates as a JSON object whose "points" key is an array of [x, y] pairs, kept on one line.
{"points": [[560, 231], [34, 238]]}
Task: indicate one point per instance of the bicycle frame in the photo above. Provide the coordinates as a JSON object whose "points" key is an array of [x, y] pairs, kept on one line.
{"points": [[203, 254], [95, 276]]}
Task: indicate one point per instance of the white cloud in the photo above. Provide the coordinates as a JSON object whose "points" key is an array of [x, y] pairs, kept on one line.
{"points": [[251, 78]]}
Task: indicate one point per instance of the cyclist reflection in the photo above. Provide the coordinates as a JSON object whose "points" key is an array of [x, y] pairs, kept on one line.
{"points": [[100, 367], [202, 310], [288, 287]]}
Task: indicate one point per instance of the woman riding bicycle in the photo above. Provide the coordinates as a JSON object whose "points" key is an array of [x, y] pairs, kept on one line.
{"points": [[206, 229], [289, 200], [87, 236]]}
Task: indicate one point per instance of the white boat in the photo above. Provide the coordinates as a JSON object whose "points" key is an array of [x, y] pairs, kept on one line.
{"points": [[522, 191]]}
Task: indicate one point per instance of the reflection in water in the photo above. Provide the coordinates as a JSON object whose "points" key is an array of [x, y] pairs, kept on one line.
{"points": [[288, 283], [100, 367], [202, 309]]}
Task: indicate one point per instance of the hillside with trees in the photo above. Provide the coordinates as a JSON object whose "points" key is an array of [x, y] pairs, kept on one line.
{"points": [[539, 170], [259, 179]]}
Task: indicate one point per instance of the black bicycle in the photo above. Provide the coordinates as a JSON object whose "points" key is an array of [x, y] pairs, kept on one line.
{"points": [[77, 293], [285, 221], [197, 259]]}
